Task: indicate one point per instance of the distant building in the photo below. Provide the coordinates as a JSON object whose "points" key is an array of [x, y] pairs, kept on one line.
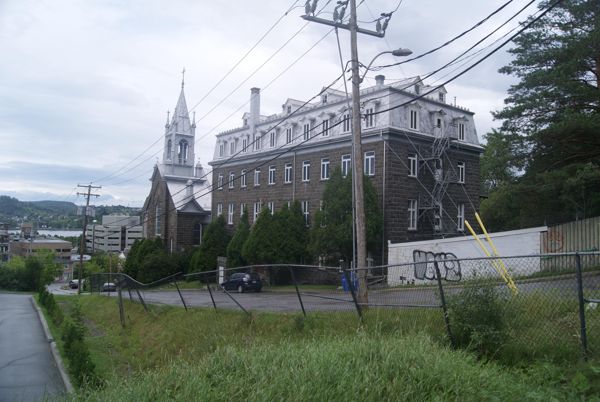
{"points": [[421, 153], [31, 247], [178, 207], [115, 234], [4, 241]]}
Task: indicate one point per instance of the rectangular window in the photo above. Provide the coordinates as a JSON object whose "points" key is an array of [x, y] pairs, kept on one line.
{"points": [[271, 174], [158, 227], [461, 131], [271, 206], [306, 212], [412, 165], [370, 163], [244, 144], [460, 218], [325, 128], [243, 178], [257, 139], [256, 211], [369, 118], [220, 181], [230, 214], [325, 169], [442, 97], [288, 135], [272, 138], [461, 172], [346, 123], [257, 177], [414, 119], [306, 131], [346, 159], [221, 150], [412, 214], [219, 209], [232, 147], [288, 173], [242, 208], [305, 170], [231, 179]]}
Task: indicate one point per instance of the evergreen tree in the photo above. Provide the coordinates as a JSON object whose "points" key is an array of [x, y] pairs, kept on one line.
{"points": [[214, 244], [262, 245], [234, 249]]}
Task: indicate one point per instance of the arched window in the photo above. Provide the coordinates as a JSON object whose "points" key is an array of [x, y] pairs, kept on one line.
{"points": [[169, 149], [196, 234], [182, 152]]}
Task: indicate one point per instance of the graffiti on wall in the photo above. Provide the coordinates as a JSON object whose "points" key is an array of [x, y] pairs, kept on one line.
{"points": [[448, 264]]}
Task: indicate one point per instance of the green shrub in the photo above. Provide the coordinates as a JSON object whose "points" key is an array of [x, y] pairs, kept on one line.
{"points": [[81, 367], [49, 303], [477, 319]]}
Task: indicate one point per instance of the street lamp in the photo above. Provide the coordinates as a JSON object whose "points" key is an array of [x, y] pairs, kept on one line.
{"points": [[397, 52]]}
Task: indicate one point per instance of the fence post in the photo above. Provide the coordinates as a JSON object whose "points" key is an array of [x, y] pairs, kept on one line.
{"points": [[180, 295], [141, 299], [210, 291], [121, 311], [292, 269], [584, 348], [443, 299], [351, 287]]}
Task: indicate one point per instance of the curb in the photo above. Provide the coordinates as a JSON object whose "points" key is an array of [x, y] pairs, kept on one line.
{"points": [[53, 347]]}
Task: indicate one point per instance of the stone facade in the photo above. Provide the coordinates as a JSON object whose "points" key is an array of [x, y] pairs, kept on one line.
{"points": [[441, 138]]}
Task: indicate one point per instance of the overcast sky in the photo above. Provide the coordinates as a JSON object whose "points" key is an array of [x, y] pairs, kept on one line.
{"points": [[85, 85]]}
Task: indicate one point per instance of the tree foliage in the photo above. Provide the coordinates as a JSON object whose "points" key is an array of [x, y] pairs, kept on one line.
{"points": [[214, 244], [235, 246], [542, 166], [261, 247], [331, 233], [30, 273]]}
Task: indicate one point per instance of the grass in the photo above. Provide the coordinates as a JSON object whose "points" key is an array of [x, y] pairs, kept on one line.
{"points": [[171, 354]]}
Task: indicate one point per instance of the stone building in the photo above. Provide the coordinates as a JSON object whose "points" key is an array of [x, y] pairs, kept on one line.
{"points": [[422, 157], [178, 206]]}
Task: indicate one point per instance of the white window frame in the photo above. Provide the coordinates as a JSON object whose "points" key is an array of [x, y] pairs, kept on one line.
{"points": [[461, 131], [232, 147], [460, 217], [219, 209], [257, 206], [271, 206], [242, 208], [413, 213], [231, 179], [272, 139], [324, 168], [306, 131], [271, 174], [289, 135], [256, 177], [370, 118], [221, 150], [305, 171], [244, 145], [306, 212], [243, 178], [230, 214], [413, 165], [413, 121], [346, 164], [220, 181], [461, 172], [288, 173], [369, 163], [347, 123], [325, 128]]}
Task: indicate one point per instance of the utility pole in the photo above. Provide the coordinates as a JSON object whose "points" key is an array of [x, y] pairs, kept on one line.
{"points": [[85, 220], [360, 262]]}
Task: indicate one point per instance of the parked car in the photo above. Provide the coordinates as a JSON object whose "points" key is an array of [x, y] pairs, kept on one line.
{"points": [[109, 287], [74, 283], [243, 282]]}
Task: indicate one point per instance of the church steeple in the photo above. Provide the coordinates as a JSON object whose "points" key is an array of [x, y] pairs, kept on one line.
{"points": [[180, 134]]}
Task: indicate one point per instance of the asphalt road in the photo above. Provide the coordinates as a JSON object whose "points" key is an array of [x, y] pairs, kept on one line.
{"points": [[27, 368]]}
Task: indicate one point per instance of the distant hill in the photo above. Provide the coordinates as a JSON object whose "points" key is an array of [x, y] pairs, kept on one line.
{"points": [[51, 214]]}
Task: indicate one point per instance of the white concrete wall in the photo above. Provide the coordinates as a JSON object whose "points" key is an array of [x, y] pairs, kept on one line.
{"points": [[510, 243]]}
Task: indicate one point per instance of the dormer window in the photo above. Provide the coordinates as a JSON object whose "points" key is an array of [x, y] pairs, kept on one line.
{"points": [[221, 150], [417, 89], [289, 109], [245, 122], [442, 97], [324, 98]]}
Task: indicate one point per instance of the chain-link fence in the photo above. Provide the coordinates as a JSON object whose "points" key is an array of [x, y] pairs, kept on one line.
{"points": [[548, 301]]}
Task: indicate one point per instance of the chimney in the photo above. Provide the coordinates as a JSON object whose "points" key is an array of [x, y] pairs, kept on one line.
{"points": [[379, 80], [254, 107]]}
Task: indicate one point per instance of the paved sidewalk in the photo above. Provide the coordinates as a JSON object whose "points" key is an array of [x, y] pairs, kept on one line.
{"points": [[27, 369]]}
